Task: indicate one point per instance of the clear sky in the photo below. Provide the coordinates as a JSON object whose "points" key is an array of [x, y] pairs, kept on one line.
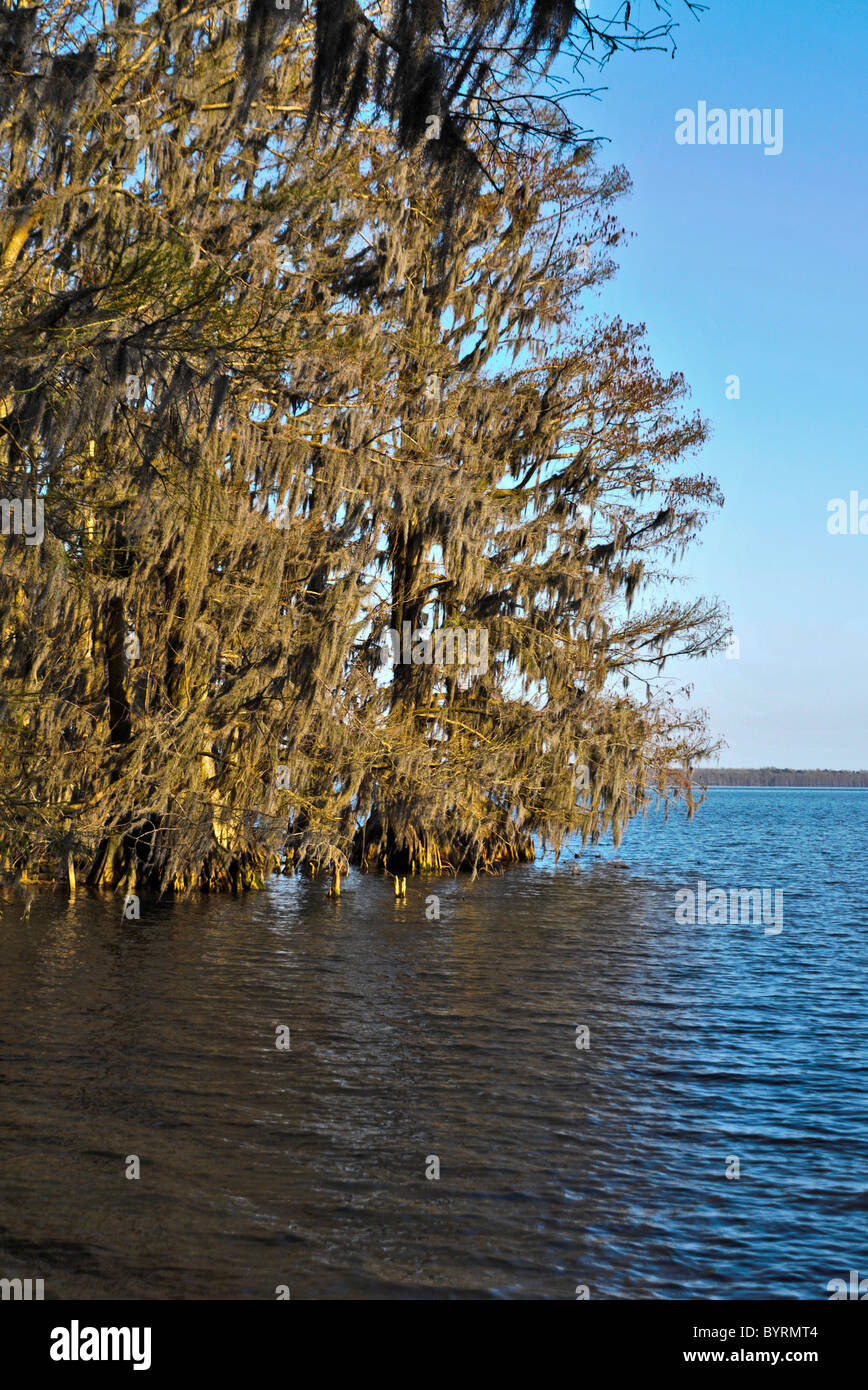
{"points": [[755, 265]]}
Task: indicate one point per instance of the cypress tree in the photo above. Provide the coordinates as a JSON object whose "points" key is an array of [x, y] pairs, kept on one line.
{"points": [[273, 402]]}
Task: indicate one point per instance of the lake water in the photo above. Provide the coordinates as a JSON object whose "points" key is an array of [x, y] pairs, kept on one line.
{"points": [[413, 1038]]}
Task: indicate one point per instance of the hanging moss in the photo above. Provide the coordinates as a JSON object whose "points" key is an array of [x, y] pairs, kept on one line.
{"points": [[269, 417]]}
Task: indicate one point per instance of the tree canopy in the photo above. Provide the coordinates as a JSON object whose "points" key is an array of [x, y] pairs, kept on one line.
{"points": [[274, 404]]}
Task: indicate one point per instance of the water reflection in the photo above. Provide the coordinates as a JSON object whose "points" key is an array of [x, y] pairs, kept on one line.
{"points": [[456, 1038]]}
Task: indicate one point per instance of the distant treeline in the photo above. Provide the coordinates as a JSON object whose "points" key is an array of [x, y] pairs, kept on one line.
{"points": [[777, 777]]}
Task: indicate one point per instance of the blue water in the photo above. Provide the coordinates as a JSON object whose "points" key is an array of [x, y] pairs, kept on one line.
{"points": [[453, 1038], [740, 1043]]}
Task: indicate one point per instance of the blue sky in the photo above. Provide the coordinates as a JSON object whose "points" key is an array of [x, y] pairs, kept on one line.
{"points": [[755, 265]]}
